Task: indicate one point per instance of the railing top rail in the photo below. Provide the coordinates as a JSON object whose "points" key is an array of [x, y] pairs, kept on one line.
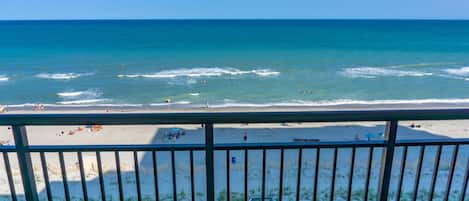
{"points": [[233, 117]]}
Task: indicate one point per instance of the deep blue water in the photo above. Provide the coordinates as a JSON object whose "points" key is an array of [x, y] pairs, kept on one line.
{"points": [[236, 62]]}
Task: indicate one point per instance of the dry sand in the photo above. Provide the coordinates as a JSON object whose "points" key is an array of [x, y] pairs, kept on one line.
{"points": [[224, 133]]}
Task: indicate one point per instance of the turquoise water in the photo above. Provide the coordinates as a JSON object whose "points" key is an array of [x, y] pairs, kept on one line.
{"points": [[233, 63]]}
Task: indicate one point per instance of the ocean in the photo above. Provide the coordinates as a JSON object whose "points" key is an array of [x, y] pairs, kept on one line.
{"points": [[230, 63]]}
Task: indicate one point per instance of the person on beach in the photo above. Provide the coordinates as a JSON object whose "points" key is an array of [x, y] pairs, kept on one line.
{"points": [[245, 137], [168, 102], [5, 142], [38, 107]]}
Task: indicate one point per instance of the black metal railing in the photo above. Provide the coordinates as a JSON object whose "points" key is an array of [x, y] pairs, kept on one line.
{"points": [[388, 147]]}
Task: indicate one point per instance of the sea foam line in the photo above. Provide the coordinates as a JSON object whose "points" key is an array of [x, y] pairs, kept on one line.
{"points": [[202, 72], [75, 94], [61, 76], [338, 102], [463, 71], [83, 101], [172, 103], [74, 105], [422, 64], [71, 94], [230, 103], [4, 78], [374, 72]]}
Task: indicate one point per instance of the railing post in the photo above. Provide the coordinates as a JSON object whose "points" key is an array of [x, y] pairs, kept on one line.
{"points": [[209, 164], [387, 158], [24, 161]]}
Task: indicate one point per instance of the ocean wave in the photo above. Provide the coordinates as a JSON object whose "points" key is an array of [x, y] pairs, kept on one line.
{"points": [[202, 72], [82, 101], [84, 105], [172, 103], [4, 78], [234, 104], [61, 76], [80, 97], [70, 94], [75, 94], [182, 102], [265, 72], [339, 102], [463, 71], [374, 72], [422, 64]]}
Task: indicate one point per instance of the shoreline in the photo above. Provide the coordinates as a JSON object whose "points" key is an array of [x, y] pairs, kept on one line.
{"points": [[173, 108]]}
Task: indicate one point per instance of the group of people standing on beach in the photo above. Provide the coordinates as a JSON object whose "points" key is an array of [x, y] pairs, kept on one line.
{"points": [[36, 107]]}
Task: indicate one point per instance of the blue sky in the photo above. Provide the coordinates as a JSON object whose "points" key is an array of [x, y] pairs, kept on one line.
{"points": [[222, 9]]}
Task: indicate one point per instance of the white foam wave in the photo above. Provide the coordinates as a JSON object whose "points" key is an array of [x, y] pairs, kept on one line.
{"points": [[202, 72], [74, 94], [172, 103], [61, 76], [70, 94], [75, 105], [194, 94], [300, 103], [182, 102], [4, 78], [463, 71], [265, 72], [422, 64], [373, 72], [83, 101], [231, 103], [19, 105]]}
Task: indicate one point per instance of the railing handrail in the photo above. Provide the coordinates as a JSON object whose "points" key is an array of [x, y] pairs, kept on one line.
{"points": [[235, 146], [23, 149], [234, 117]]}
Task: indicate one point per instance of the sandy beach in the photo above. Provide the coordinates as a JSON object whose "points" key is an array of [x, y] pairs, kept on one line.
{"points": [[228, 133]]}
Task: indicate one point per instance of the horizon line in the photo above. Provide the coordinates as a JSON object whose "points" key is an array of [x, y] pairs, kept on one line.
{"points": [[240, 19]]}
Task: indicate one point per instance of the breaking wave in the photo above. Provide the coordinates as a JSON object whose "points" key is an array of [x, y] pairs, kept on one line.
{"points": [[202, 72], [374, 72], [172, 103], [301, 103], [265, 72], [463, 71], [70, 94], [82, 101], [80, 97], [4, 78], [233, 104], [430, 64], [75, 94], [61, 76]]}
